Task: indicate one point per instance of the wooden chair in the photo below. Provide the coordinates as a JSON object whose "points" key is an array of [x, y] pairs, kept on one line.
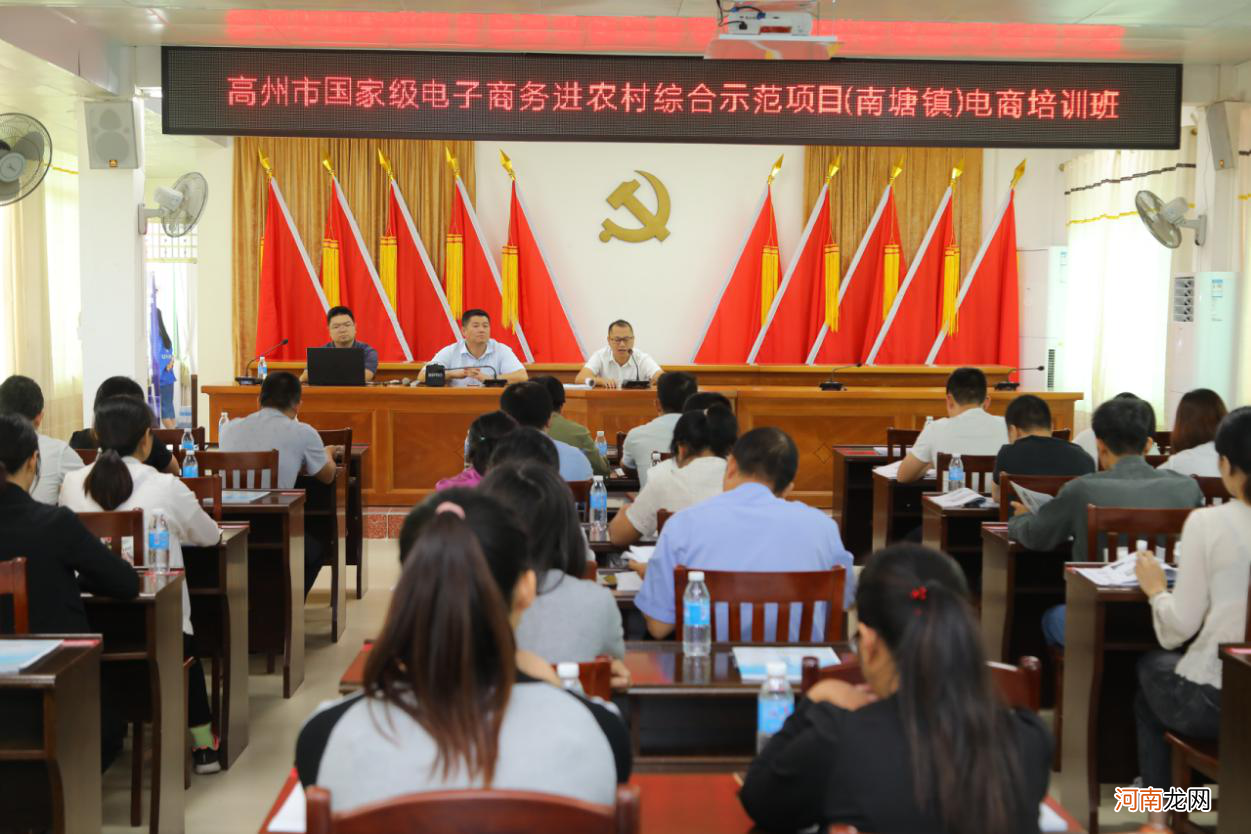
{"points": [[325, 521], [1163, 442], [354, 540], [1019, 686], [581, 498], [88, 456], [978, 470], [173, 437], [591, 571], [738, 588], [13, 584], [899, 441], [1048, 484], [480, 811], [1213, 489], [207, 488], [1132, 523], [1062, 434], [665, 455], [595, 677], [115, 526], [236, 468], [661, 517], [1154, 461]]}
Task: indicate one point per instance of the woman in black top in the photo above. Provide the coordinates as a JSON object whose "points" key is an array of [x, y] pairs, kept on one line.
{"points": [[926, 747], [160, 458]]}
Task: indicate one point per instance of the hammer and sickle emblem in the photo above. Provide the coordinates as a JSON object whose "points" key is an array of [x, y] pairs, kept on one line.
{"points": [[653, 223]]}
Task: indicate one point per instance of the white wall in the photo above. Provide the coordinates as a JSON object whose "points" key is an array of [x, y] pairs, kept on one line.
{"points": [[214, 296], [667, 289]]}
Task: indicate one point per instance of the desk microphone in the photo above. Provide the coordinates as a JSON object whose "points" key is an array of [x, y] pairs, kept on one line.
{"points": [[1012, 386], [831, 384], [495, 381], [638, 381], [251, 380]]}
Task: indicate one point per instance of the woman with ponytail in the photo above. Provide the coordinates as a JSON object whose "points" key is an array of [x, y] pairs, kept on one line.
{"points": [[446, 704], [118, 481], [927, 746]]}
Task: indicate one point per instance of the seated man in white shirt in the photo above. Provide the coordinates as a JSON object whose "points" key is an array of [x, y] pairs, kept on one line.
{"points": [[477, 356], [966, 430], [22, 396], [672, 391], [619, 362]]}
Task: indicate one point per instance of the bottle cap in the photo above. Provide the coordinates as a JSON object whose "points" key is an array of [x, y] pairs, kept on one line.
{"points": [[695, 576], [566, 670], [776, 668], [599, 479]]}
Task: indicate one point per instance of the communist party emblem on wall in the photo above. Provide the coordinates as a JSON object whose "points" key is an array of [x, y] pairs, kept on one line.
{"points": [[652, 223]]}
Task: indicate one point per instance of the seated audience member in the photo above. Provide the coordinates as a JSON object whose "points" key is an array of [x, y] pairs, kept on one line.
{"points": [[1086, 437], [276, 425], [567, 431], [701, 440], [749, 527], [619, 362], [118, 481], [531, 406], [476, 356], [341, 323], [448, 702], [161, 458], [524, 444], [698, 401], [1191, 445], [928, 745], [484, 434], [63, 559], [1122, 429], [20, 395], [672, 391], [1031, 449], [1182, 692], [968, 429], [571, 618]]}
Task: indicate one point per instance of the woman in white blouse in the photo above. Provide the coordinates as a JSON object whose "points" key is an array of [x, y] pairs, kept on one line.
{"points": [[1192, 444], [1181, 692], [701, 440], [118, 481]]}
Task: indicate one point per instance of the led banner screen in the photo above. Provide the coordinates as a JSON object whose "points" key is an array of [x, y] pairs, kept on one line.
{"points": [[352, 93]]}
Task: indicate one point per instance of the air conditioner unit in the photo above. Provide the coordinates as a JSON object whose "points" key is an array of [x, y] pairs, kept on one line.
{"points": [[1044, 293], [1202, 337]]}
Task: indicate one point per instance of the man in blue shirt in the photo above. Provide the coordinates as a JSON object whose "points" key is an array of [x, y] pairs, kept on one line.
{"points": [[530, 405], [342, 325], [476, 357], [749, 527]]}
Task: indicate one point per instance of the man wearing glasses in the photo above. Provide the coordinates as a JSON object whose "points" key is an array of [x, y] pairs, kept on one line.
{"points": [[619, 362]]}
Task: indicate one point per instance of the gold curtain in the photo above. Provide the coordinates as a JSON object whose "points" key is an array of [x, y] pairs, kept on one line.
{"points": [[423, 175], [926, 172]]}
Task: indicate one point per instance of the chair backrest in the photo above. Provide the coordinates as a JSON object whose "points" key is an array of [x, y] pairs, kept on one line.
{"points": [[591, 571], [1163, 441], [581, 498], [173, 437], [338, 437], [595, 677], [241, 470], [1062, 434], [1132, 523], [88, 455], [207, 488], [1213, 489], [898, 441], [1155, 460], [1019, 686], [666, 455], [978, 470], [13, 584], [115, 526], [480, 811], [739, 588], [661, 517], [1047, 484]]}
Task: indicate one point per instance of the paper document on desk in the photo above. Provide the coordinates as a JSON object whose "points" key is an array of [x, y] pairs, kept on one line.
{"points": [[962, 497], [1120, 574], [16, 655], [242, 496], [889, 470], [628, 582], [752, 660], [1032, 499], [640, 552], [1049, 820], [292, 816]]}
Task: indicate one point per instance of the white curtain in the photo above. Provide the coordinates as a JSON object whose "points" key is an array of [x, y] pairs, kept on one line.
{"points": [[1244, 294], [1116, 322]]}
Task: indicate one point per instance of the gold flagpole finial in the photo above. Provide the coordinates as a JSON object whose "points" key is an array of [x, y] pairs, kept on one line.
{"points": [[325, 163], [508, 165], [451, 160], [777, 166], [956, 172], [1017, 174], [386, 166], [265, 163], [895, 171], [833, 169]]}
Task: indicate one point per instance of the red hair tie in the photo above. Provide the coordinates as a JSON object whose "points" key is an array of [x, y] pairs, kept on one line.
{"points": [[918, 593]]}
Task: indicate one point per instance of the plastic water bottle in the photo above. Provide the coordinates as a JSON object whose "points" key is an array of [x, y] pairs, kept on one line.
{"points": [[774, 704], [601, 444], [696, 617], [655, 458], [190, 466], [158, 542], [955, 474], [929, 421], [599, 510], [188, 442], [221, 425], [568, 674], [262, 368]]}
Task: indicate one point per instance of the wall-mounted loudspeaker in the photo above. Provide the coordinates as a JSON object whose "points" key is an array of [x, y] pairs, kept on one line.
{"points": [[1220, 140], [111, 139]]}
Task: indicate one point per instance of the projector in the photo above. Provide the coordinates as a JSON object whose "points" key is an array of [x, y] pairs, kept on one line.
{"points": [[748, 20], [770, 29]]}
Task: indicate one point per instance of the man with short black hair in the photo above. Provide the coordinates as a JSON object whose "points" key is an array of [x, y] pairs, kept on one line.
{"points": [[530, 405], [1031, 449], [525, 445], [22, 396], [968, 429], [672, 391], [619, 362], [749, 527], [476, 357], [567, 431], [342, 325]]}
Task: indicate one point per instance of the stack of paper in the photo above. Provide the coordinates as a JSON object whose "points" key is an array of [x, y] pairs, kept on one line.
{"points": [[17, 655], [891, 470], [628, 581], [962, 497], [640, 552], [292, 817], [1049, 820], [1120, 574], [752, 660]]}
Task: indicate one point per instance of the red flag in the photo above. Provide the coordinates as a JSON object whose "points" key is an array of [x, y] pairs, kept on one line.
{"points": [[747, 295], [290, 304], [877, 260], [349, 278], [987, 326], [809, 292], [905, 337], [531, 297], [470, 277], [408, 277]]}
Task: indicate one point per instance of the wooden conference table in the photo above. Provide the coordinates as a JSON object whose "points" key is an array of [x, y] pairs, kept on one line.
{"points": [[1235, 745], [416, 435]]}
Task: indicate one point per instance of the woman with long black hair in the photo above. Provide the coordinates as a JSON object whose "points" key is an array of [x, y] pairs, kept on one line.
{"points": [[927, 746]]}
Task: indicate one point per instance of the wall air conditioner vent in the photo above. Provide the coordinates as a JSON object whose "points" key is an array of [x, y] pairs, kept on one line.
{"points": [[1184, 299]]}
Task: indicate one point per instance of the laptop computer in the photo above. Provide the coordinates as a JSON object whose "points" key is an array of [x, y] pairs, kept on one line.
{"points": [[336, 366]]}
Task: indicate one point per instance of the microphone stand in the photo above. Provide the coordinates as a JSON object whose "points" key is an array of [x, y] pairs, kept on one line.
{"points": [[832, 384], [1008, 385], [251, 380]]}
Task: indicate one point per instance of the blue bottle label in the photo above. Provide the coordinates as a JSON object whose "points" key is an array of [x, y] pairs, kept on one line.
{"points": [[158, 540], [771, 714], [190, 471], [697, 613], [600, 501]]}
